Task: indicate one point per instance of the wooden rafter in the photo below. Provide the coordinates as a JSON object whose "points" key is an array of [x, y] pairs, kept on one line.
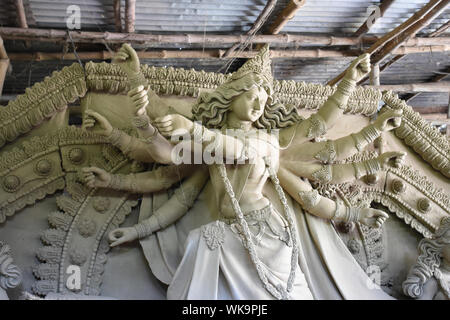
{"points": [[416, 87], [365, 27], [262, 18], [21, 16], [130, 15], [436, 78], [55, 35], [287, 14], [392, 40], [117, 16], [440, 30], [210, 54], [4, 64]]}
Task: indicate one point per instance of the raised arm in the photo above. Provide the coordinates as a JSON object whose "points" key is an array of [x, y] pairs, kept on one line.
{"points": [[323, 207], [342, 148], [333, 108]]}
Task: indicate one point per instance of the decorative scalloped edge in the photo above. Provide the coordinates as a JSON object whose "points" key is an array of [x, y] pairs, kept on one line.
{"points": [[399, 211], [41, 101], [419, 134], [110, 78], [425, 186], [31, 197]]}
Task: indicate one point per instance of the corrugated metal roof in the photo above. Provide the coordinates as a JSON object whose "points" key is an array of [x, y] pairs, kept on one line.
{"points": [[344, 17], [338, 17]]}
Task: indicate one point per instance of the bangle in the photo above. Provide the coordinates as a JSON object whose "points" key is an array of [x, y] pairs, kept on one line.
{"points": [[350, 214], [346, 87], [114, 137], [115, 182], [370, 133], [372, 166]]}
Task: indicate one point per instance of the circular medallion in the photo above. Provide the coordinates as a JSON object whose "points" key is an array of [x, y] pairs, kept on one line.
{"points": [[11, 183], [43, 167], [372, 179], [77, 256], [353, 246], [398, 186], [76, 155], [424, 205]]}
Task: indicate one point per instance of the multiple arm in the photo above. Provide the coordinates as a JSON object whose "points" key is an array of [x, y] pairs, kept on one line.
{"points": [[319, 123], [167, 214]]}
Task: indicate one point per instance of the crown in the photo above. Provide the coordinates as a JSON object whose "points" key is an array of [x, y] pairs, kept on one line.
{"points": [[259, 64]]}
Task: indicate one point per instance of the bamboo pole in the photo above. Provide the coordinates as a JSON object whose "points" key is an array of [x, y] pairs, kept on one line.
{"points": [[415, 87], [262, 18], [436, 78], [199, 54], [21, 16], [402, 33], [287, 14], [130, 15], [440, 30], [117, 16], [4, 64]]}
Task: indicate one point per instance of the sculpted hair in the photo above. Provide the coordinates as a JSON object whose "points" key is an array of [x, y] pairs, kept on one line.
{"points": [[211, 108], [428, 261]]}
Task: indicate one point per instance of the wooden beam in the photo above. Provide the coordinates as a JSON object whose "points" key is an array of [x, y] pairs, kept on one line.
{"points": [[287, 14], [262, 18], [130, 15], [55, 35], [440, 30], [196, 54], [415, 87], [392, 40], [4, 64], [117, 16], [436, 78], [3, 54], [384, 5], [21, 16]]}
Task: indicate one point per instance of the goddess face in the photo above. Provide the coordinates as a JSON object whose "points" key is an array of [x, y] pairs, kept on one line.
{"points": [[249, 106]]}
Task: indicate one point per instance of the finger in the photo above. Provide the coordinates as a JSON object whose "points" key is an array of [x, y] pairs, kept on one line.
{"points": [[141, 100], [132, 53], [166, 130], [383, 215], [163, 124], [122, 55], [96, 170], [90, 184], [163, 118], [135, 90]]}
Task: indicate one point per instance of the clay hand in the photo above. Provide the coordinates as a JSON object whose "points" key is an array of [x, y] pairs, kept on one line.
{"points": [[140, 99], [372, 217], [127, 59], [359, 68], [389, 120], [122, 235], [96, 177], [391, 159], [173, 124], [89, 121]]}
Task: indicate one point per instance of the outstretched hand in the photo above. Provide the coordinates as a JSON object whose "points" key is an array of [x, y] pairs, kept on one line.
{"points": [[96, 177], [91, 117], [391, 159], [389, 120], [359, 68], [122, 235], [127, 59], [373, 217]]}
